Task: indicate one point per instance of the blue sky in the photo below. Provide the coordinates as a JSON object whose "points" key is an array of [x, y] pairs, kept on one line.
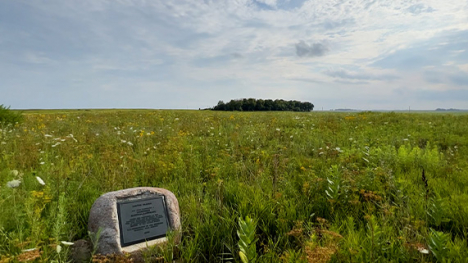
{"points": [[190, 54]]}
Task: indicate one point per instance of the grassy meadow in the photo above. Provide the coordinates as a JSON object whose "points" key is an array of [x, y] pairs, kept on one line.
{"points": [[297, 187]]}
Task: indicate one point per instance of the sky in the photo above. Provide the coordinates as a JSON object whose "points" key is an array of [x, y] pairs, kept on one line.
{"points": [[162, 54]]}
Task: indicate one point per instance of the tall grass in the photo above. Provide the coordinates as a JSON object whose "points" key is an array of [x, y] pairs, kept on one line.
{"points": [[321, 187]]}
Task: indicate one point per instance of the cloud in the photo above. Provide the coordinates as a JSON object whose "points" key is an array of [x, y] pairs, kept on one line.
{"points": [[268, 3], [347, 82], [460, 78], [332, 24], [237, 55], [308, 80], [445, 47], [343, 74], [420, 8], [314, 50]]}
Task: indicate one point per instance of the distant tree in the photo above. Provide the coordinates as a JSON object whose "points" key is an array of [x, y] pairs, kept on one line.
{"points": [[264, 105]]}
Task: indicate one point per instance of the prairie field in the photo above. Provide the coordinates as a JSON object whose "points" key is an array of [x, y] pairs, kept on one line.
{"points": [[296, 187]]}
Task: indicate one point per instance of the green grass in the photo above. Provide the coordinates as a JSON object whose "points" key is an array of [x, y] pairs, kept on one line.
{"points": [[320, 186]]}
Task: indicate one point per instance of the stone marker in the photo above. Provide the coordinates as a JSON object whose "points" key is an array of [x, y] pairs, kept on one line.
{"points": [[133, 219]]}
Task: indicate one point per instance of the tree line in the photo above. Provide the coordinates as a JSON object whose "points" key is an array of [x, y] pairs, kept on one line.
{"points": [[264, 105]]}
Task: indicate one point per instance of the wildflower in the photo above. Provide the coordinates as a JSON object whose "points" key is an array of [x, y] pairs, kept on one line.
{"points": [[129, 143], [422, 250], [14, 172], [47, 135], [28, 250], [123, 141], [13, 183], [339, 149], [66, 243], [59, 249], [71, 136], [40, 180], [176, 119], [278, 129], [55, 145]]}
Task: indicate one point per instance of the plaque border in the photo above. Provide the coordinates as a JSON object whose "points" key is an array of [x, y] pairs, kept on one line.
{"points": [[118, 203]]}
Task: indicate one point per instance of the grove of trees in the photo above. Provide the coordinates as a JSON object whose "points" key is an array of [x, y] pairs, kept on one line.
{"points": [[264, 105]]}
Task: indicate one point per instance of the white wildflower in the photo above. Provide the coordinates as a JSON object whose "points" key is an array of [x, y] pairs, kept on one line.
{"points": [[47, 135], [41, 163], [423, 250], [59, 249], [278, 129], [71, 136], [176, 119], [123, 141], [40, 180], [28, 250], [14, 172], [66, 243], [97, 134], [57, 144], [339, 149], [129, 143], [13, 183]]}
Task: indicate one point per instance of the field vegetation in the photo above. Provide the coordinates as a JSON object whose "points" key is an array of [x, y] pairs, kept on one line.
{"points": [[252, 187]]}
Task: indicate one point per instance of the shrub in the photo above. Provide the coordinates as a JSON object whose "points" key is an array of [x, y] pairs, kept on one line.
{"points": [[8, 116]]}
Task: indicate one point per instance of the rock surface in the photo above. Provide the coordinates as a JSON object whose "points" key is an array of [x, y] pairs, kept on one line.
{"points": [[103, 215]]}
